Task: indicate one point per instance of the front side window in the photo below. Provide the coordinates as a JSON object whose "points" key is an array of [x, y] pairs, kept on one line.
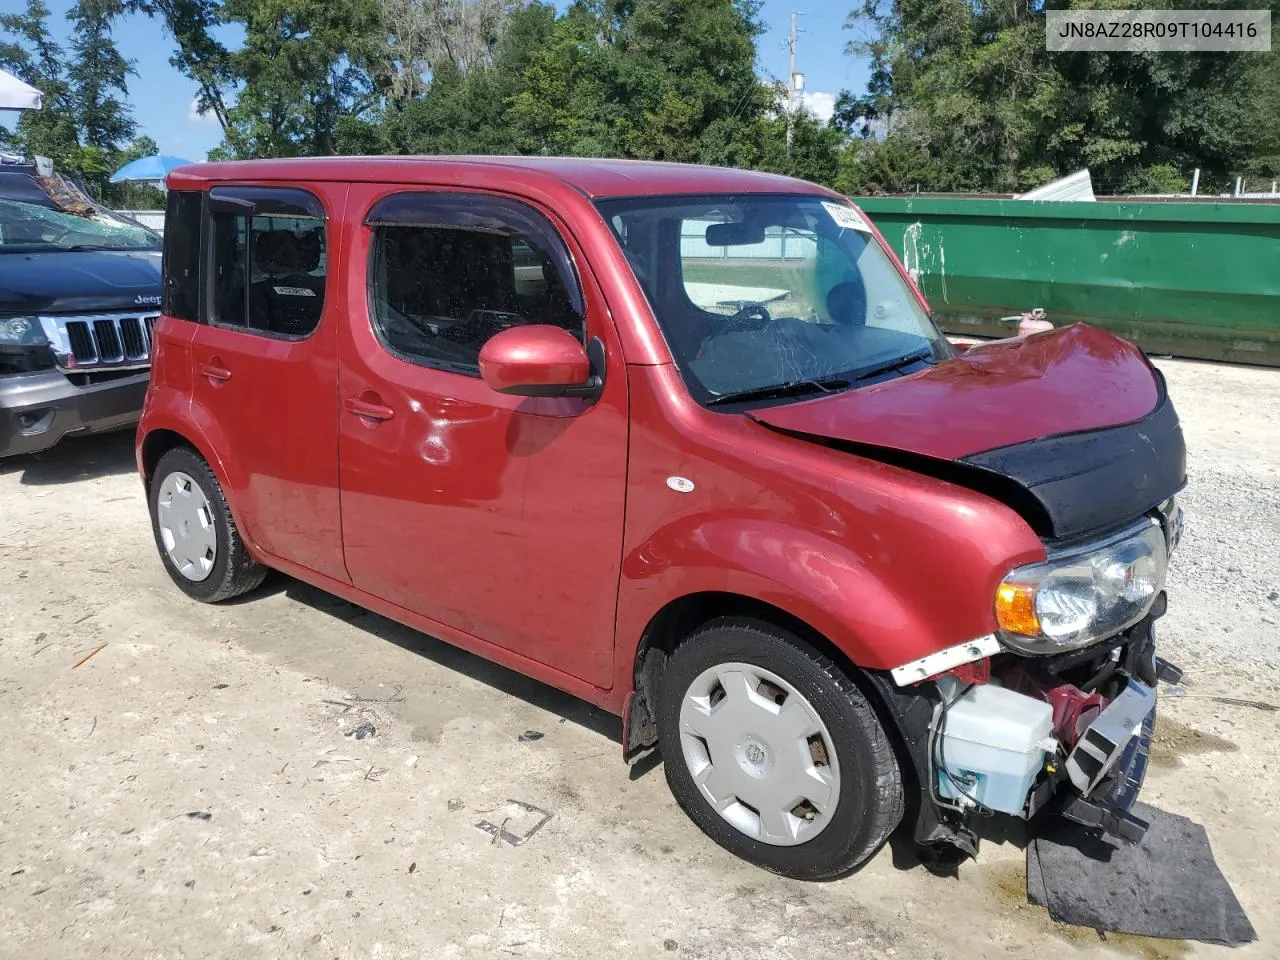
{"points": [[448, 272], [267, 260], [764, 297], [52, 214]]}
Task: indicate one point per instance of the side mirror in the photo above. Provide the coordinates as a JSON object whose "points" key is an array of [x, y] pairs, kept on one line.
{"points": [[540, 360]]}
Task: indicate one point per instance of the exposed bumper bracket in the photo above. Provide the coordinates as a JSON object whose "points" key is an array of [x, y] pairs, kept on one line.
{"points": [[943, 660]]}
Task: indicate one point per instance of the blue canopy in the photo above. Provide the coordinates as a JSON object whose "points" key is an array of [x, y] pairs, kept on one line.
{"points": [[148, 168]]}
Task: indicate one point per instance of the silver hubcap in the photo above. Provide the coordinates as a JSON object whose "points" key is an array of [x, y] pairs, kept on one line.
{"points": [[186, 526], [759, 753]]}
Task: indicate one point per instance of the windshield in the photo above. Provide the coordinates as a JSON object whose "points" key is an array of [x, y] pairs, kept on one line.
{"points": [[32, 222], [755, 292]]}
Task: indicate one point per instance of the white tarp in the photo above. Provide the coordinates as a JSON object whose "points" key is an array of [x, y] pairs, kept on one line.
{"points": [[1078, 186], [16, 95]]}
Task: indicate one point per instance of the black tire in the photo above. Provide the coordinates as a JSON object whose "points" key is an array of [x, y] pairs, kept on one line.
{"points": [[870, 801], [234, 571]]}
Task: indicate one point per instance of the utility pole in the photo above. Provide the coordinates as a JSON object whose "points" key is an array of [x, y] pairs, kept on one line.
{"points": [[795, 81]]}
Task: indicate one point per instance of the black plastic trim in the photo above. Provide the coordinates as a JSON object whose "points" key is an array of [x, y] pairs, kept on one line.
{"points": [[1064, 486], [1088, 481], [907, 715], [244, 200]]}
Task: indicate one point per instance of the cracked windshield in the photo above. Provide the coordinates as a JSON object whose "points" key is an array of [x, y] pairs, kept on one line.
{"points": [[35, 218], [764, 298]]}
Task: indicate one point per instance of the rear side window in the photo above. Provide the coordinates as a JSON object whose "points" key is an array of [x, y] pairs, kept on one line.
{"points": [[448, 272], [268, 260], [183, 214]]}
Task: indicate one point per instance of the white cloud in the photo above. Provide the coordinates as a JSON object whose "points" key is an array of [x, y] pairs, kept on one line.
{"points": [[821, 105], [195, 116]]}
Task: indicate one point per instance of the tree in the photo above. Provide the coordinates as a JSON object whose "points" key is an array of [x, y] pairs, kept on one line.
{"points": [[646, 78], [31, 54], [466, 112], [98, 76], [199, 55], [969, 87], [426, 35], [85, 126], [568, 102], [305, 64]]}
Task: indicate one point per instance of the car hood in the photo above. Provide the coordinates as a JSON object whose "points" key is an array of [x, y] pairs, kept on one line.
{"points": [[79, 281], [1071, 427]]}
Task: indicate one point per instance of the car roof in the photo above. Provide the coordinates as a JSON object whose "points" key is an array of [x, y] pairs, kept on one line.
{"points": [[593, 177]]}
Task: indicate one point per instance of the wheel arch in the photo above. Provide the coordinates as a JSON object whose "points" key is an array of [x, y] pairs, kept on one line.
{"points": [[904, 714], [155, 444], [677, 620], [164, 436]]}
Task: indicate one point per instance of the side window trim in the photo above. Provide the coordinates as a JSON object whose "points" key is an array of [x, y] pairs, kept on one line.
{"points": [[463, 211], [250, 201]]}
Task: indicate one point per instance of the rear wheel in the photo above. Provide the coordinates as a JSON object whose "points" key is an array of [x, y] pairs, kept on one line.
{"points": [[195, 533], [773, 751]]}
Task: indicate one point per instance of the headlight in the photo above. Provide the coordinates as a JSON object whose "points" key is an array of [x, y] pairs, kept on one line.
{"points": [[1074, 599], [21, 331]]}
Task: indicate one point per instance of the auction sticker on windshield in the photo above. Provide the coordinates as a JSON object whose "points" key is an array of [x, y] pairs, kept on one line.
{"points": [[846, 217]]}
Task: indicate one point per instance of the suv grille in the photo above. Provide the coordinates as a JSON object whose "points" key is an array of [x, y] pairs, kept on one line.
{"points": [[103, 340]]}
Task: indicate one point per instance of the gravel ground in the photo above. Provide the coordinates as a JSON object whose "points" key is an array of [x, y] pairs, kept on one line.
{"points": [[196, 788], [1224, 588]]}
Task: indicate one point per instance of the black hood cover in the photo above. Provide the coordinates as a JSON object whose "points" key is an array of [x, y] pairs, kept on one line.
{"points": [[1085, 482], [1066, 485]]}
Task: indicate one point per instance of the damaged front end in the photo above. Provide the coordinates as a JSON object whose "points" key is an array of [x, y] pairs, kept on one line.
{"points": [[1052, 715]]}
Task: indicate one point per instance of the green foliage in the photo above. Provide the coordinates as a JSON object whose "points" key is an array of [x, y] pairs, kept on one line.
{"points": [[962, 94], [199, 56], [30, 53], [1158, 178], [304, 65], [969, 85], [86, 125], [98, 78]]}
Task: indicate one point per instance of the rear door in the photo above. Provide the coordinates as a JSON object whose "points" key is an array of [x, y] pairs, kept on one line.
{"points": [[498, 516], [264, 366]]}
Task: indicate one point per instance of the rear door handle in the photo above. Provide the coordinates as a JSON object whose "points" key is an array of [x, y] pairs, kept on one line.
{"points": [[368, 410], [215, 372]]}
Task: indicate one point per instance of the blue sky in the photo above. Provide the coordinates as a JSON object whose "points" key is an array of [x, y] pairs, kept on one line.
{"points": [[162, 98]]}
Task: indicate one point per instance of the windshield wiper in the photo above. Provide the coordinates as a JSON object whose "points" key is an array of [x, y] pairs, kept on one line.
{"points": [[889, 366], [791, 388], [98, 248]]}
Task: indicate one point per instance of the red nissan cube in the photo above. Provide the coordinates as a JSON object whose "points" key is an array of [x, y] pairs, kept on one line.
{"points": [[685, 442]]}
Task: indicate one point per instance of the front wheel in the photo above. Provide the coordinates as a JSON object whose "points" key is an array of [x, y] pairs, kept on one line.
{"points": [[774, 753], [197, 537]]}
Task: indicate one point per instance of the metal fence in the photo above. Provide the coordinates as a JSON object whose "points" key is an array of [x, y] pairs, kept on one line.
{"points": [[154, 219], [780, 243]]}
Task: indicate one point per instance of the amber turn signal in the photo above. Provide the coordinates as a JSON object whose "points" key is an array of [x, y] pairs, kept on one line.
{"points": [[1016, 609]]}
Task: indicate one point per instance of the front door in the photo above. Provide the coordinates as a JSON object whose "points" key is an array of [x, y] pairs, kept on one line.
{"points": [[264, 369], [498, 516]]}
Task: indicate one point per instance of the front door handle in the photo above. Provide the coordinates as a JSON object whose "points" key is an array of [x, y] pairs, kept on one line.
{"points": [[215, 371], [368, 410]]}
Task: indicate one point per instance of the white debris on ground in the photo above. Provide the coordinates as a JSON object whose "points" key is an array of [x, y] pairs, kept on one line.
{"points": [[200, 785]]}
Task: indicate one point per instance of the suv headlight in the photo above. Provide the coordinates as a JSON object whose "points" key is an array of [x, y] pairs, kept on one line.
{"points": [[21, 332], [1069, 601]]}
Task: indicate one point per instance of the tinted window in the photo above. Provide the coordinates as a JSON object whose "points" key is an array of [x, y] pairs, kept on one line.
{"points": [[268, 263], [182, 254], [439, 292]]}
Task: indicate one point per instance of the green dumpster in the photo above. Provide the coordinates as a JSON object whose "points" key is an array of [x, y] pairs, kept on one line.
{"points": [[1191, 279]]}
